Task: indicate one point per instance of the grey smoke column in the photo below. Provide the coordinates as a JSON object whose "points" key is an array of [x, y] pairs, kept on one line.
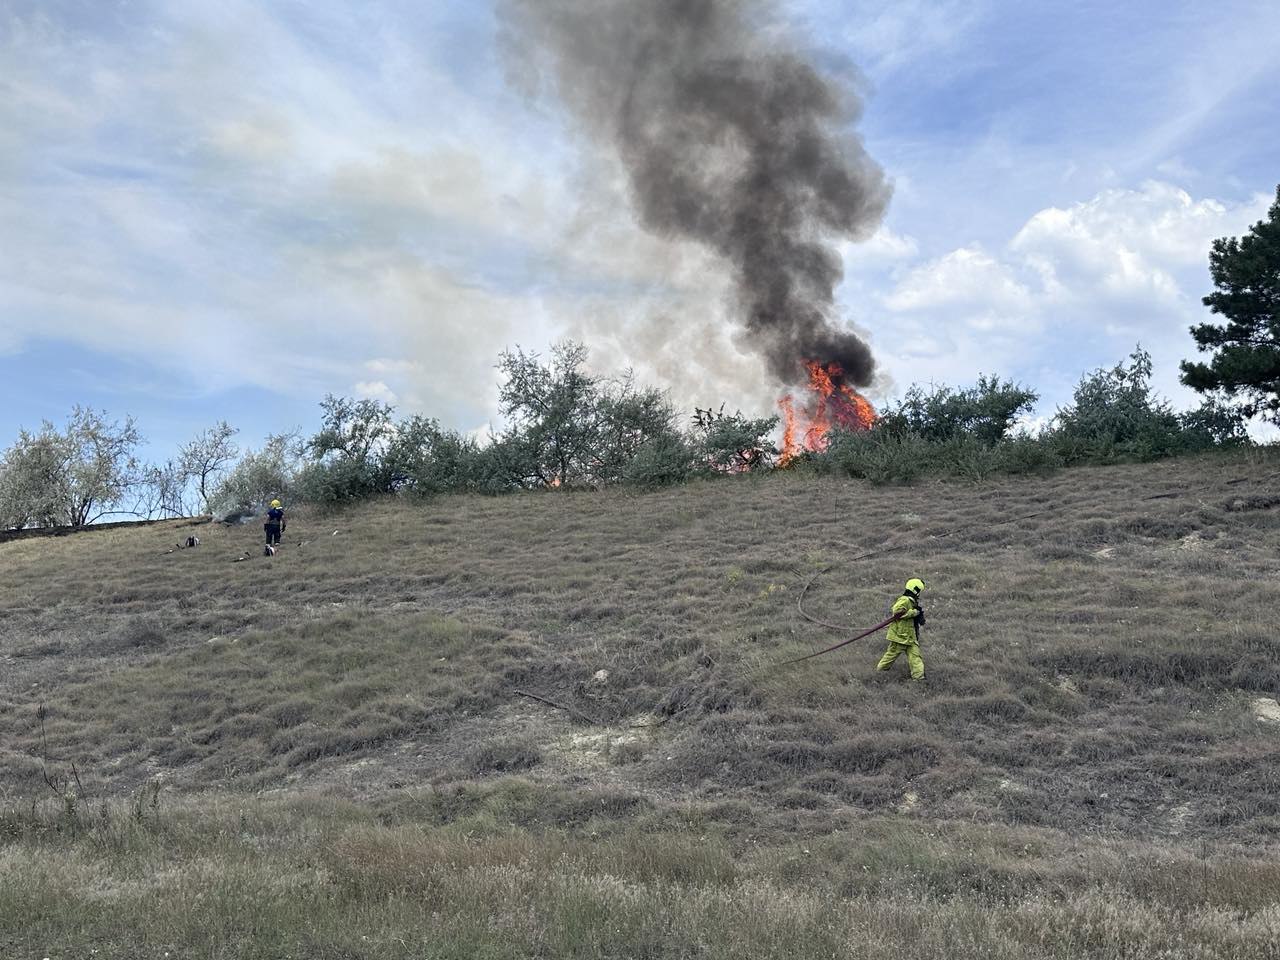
{"points": [[730, 136]]}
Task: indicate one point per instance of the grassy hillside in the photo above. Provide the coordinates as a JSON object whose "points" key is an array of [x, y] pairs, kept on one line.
{"points": [[333, 752]]}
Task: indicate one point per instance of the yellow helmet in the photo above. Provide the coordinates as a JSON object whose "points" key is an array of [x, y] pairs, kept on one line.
{"points": [[275, 503], [915, 585]]}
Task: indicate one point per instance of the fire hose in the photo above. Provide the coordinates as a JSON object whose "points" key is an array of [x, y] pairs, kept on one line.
{"points": [[879, 626], [833, 626], [842, 643]]}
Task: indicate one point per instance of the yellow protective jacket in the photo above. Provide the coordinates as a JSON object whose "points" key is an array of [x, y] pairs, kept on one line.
{"points": [[903, 630]]}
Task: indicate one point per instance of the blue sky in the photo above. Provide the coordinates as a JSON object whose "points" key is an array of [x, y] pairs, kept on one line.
{"points": [[226, 210]]}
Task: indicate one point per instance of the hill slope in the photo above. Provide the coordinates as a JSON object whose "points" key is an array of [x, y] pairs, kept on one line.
{"points": [[1097, 647]]}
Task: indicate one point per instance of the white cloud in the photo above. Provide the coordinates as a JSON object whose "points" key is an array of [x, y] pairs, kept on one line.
{"points": [[1127, 243], [376, 390], [965, 277], [881, 248], [1075, 288], [483, 434]]}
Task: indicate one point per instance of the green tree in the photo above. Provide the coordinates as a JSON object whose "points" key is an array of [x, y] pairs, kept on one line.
{"points": [[1246, 348], [346, 458], [631, 420], [205, 459], [29, 495], [985, 412], [1214, 424], [14, 509], [733, 443], [74, 476], [261, 475], [553, 413], [161, 491], [427, 459], [1115, 413], [661, 461], [352, 430]]}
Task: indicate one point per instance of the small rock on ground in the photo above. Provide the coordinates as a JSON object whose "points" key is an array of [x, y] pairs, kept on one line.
{"points": [[1266, 710]]}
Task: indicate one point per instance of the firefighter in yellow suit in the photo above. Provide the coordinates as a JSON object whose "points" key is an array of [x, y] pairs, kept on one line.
{"points": [[904, 632]]}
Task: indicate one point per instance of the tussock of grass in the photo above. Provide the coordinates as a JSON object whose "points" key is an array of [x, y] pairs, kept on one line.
{"points": [[506, 754]]}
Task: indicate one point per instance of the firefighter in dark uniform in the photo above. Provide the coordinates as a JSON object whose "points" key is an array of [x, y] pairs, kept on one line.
{"points": [[275, 524]]}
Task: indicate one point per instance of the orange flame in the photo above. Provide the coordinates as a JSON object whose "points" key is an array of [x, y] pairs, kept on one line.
{"points": [[831, 405]]}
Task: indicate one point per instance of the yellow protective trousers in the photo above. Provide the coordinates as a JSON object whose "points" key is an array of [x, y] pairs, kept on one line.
{"points": [[914, 660]]}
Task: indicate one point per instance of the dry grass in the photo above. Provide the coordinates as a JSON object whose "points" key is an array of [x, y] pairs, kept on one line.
{"points": [[1091, 669], [230, 877]]}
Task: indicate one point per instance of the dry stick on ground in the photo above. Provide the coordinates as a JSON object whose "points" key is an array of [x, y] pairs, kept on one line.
{"points": [[57, 784], [1231, 483], [572, 711]]}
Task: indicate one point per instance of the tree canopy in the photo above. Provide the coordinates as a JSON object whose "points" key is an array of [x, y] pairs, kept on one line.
{"points": [[1245, 349], [69, 477]]}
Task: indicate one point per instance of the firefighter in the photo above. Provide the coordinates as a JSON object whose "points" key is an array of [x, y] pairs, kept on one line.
{"points": [[904, 632], [275, 523]]}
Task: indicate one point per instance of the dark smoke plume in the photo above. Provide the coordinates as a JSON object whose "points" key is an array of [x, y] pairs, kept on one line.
{"points": [[732, 137]]}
